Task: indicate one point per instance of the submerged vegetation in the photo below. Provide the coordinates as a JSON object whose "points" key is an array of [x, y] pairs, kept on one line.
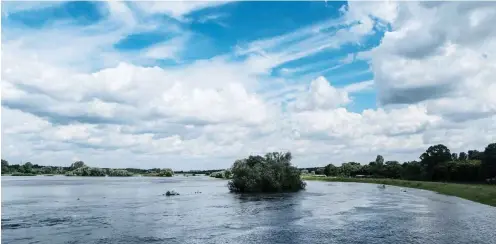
{"points": [[272, 173]]}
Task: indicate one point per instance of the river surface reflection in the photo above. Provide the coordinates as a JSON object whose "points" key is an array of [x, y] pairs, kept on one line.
{"points": [[133, 210]]}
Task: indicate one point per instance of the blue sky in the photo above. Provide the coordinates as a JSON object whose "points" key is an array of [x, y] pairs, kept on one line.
{"points": [[206, 82], [218, 31]]}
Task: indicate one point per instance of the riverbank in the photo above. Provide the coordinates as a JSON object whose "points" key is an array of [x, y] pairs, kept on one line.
{"points": [[485, 194]]}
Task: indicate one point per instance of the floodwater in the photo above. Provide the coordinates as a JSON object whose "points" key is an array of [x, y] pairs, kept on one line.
{"points": [[57, 209]]}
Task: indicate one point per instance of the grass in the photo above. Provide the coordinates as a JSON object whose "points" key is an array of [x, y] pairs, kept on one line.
{"points": [[485, 194]]}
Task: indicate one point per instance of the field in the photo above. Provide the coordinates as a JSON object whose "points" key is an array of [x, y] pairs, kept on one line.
{"points": [[485, 194]]}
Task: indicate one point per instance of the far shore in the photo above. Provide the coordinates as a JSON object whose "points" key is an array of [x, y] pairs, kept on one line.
{"points": [[485, 194]]}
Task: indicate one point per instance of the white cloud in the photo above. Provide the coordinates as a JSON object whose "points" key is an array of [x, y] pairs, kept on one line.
{"points": [[321, 95], [452, 73], [359, 86], [176, 9], [436, 85]]}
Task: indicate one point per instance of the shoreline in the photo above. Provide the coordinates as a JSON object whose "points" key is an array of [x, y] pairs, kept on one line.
{"points": [[485, 194]]}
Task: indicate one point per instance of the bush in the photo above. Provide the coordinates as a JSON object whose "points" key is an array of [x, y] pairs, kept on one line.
{"points": [[166, 173], [218, 174], [272, 173]]}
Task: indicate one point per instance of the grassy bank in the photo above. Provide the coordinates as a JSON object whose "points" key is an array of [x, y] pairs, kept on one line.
{"points": [[485, 194]]}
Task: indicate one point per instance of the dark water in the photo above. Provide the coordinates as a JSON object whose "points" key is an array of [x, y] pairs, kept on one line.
{"points": [[132, 210]]}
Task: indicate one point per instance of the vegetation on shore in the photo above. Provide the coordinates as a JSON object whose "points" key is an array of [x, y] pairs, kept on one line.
{"points": [[78, 168], [481, 193], [272, 173], [223, 174], [437, 163]]}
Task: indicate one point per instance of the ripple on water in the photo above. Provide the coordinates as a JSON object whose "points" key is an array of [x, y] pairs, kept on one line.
{"points": [[132, 210], [36, 221]]}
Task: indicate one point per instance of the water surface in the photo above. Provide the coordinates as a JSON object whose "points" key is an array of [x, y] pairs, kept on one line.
{"points": [[57, 210]]}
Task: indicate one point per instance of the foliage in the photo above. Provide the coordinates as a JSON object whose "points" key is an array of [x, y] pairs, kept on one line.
{"points": [[165, 172], [77, 165], [330, 170], [223, 174], [320, 171], [437, 164], [434, 155], [5, 166], [272, 173], [489, 161]]}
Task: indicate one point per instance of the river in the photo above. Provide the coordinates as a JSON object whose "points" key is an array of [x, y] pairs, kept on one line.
{"points": [[60, 209]]}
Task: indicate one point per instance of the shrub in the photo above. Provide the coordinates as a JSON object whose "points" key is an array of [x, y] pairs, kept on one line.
{"points": [[166, 173], [272, 173], [218, 174]]}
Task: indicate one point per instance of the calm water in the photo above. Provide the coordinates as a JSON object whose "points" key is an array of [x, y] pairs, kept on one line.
{"points": [[132, 210]]}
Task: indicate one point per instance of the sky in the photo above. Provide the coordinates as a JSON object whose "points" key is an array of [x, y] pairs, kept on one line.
{"points": [[197, 85]]}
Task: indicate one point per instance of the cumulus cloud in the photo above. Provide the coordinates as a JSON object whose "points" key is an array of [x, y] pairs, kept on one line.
{"points": [[441, 55], [321, 95], [433, 74]]}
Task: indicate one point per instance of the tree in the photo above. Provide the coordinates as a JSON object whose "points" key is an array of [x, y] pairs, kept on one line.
{"points": [[433, 156], [330, 170], [272, 173], [412, 171], [47, 170], [462, 156], [227, 174], [5, 166], [379, 160], [320, 171], [28, 168], [77, 165], [454, 157], [350, 169], [475, 155], [489, 161], [392, 169], [166, 172]]}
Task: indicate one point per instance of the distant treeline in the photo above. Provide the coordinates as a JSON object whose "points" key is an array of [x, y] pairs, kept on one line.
{"points": [[437, 163], [78, 168], [198, 172]]}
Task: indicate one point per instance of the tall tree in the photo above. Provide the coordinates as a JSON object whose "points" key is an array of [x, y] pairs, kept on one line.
{"points": [[379, 160], [462, 156], [77, 165], [475, 155], [489, 161], [392, 169], [28, 167], [5, 166], [330, 170], [433, 156], [454, 156]]}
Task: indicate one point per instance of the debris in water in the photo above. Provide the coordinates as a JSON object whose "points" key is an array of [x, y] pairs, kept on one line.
{"points": [[171, 193]]}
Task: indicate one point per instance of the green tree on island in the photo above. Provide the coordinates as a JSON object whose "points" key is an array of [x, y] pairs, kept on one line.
{"points": [[272, 173]]}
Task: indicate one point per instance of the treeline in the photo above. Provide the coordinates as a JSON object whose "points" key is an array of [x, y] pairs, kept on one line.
{"points": [[78, 168], [437, 163], [198, 172]]}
